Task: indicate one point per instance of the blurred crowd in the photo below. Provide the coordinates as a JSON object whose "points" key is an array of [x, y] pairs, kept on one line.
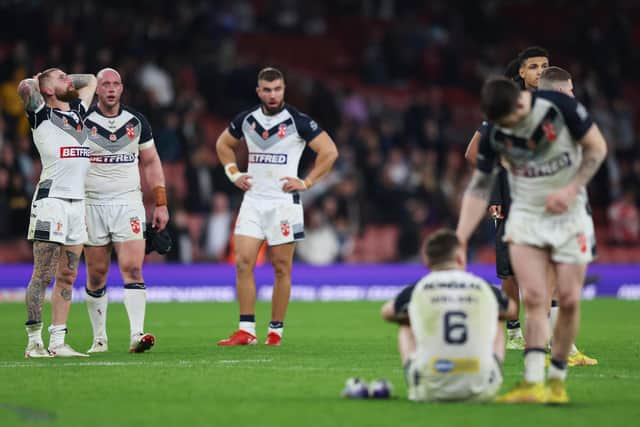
{"points": [[394, 83]]}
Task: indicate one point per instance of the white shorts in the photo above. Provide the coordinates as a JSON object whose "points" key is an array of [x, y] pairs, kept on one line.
{"points": [[277, 222], [570, 237], [115, 223], [423, 386], [58, 220]]}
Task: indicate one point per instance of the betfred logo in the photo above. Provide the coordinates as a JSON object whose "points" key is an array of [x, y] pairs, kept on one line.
{"points": [[73, 152], [274, 159]]}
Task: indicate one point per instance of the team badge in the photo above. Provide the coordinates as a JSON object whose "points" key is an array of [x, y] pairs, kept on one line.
{"points": [[550, 131], [265, 134], [58, 229], [79, 128], [94, 131], [131, 132], [285, 228], [135, 224], [65, 122], [112, 137], [582, 242], [282, 130], [253, 126]]}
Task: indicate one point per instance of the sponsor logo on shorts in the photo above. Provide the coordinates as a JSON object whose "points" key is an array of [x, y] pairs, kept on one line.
{"points": [[113, 158], [443, 365], [267, 158], [58, 229], [582, 242], [548, 168], [73, 152], [135, 224], [285, 228], [460, 365]]}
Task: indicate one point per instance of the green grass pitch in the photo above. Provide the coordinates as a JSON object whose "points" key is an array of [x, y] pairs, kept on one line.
{"points": [[186, 380]]}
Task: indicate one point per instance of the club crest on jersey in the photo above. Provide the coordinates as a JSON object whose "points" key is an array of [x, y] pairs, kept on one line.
{"points": [[285, 228], [550, 131], [79, 128], [131, 133], [135, 224], [282, 130], [94, 132], [65, 122], [113, 137], [265, 134]]}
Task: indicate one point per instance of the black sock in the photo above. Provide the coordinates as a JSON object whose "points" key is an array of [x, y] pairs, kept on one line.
{"points": [[513, 324], [276, 325], [248, 318], [554, 303]]}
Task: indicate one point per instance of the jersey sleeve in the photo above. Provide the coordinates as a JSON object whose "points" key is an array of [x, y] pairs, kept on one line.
{"points": [[487, 157], [235, 127], [576, 116], [146, 135], [307, 128], [503, 300], [38, 116]]}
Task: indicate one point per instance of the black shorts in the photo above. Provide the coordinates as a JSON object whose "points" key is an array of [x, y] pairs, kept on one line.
{"points": [[401, 302], [503, 264]]}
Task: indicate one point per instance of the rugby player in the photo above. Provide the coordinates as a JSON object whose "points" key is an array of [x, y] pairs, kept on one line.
{"points": [[271, 210], [56, 104], [118, 138]]}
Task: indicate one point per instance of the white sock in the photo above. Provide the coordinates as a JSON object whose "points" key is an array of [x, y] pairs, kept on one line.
{"points": [[248, 327], [56, 335], [556, 373], [534, 366], [574, 350], [34, 332], [553, 318], [276, 327], [97, 307], [135, 301]]}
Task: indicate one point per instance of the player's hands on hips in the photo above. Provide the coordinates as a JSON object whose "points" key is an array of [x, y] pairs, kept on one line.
{"points": [[293, 183], [560, 200], [160, 217], [243, 182], [496, 211]]}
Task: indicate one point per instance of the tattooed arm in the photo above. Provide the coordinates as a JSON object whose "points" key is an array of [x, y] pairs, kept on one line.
{"points": [[30, 94], [45, 262], [474, 204], [594, 150], [86, 85]]}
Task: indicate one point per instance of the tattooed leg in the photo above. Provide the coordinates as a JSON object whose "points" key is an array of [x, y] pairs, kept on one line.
{"points": [[62, 289], [45, 261]]}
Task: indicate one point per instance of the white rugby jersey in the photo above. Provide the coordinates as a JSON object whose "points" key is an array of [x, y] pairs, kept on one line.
{"points": [[275, 144], [114, 144], [60, 138], [541, 152], [454, 317]]}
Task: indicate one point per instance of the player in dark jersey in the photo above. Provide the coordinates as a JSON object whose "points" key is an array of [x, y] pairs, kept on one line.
{"points": [[271, 210], [119, 138], [56, 104]]}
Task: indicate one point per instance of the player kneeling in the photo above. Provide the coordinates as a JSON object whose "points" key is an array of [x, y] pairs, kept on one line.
{"points": [[454, 347]]}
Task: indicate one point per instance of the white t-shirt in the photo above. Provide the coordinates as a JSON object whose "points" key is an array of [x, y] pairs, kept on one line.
{"points": [[60, 139]]}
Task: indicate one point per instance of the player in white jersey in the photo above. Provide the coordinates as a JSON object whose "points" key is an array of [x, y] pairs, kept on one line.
{"points": [[551, 149], [454, 348], [118, 137], [56, 104], [271, 210]]}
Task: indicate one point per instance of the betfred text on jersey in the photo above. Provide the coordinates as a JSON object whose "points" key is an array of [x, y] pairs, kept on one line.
{"points": [[73, 152], [274, 159], [113, 158]]}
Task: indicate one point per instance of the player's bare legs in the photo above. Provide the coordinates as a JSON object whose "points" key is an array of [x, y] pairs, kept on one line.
{"points": [[510, 288], [570, 281], [528, 263], [282, 260], [246, 251], [406, 342], [45, 262], [98, 259], [66, 273], [499, 342]]}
